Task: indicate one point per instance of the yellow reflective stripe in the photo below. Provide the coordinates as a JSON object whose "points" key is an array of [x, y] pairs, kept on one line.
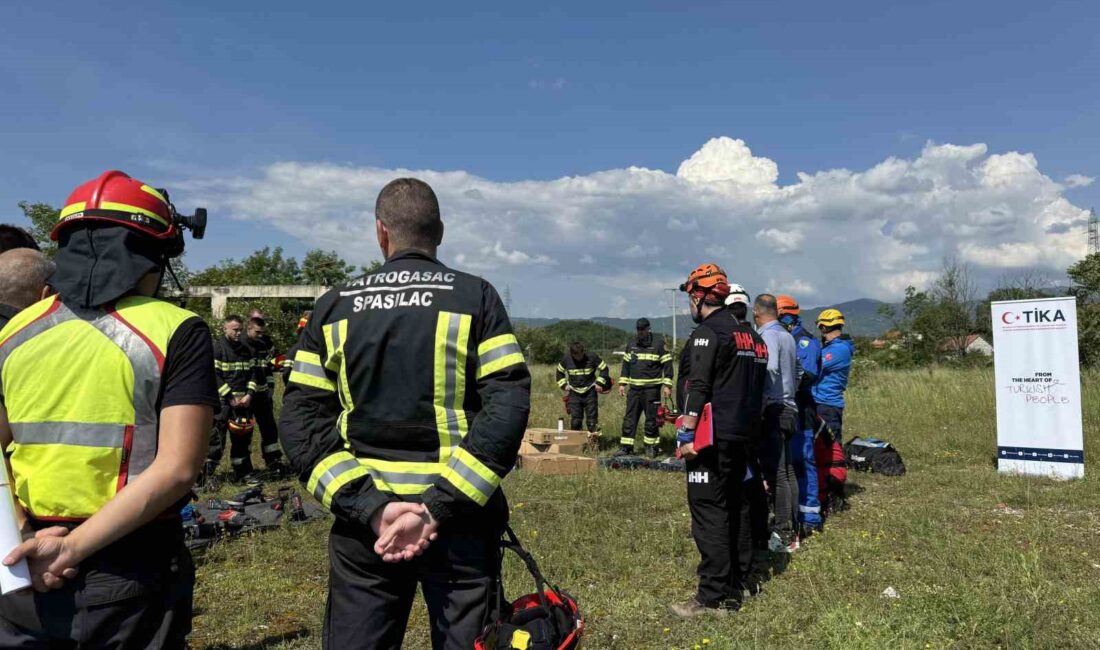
{"points": [[306, 370], [252, 385], [332, 473], [645, 356], [646, 382], [335, 335], [154, 192], [498, 353], [629, 356], [402, 477], [585, 371], [665, 358], [224, 390], [452, 338], [667, 381], [626, 381], [471, 477], [602, 366], [561, 382], [123, 207], [72, 208]]}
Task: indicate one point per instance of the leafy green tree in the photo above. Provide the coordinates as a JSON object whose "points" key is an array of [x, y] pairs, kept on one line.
{"points": [[1086, 277], [326, 268], [42, 216]]}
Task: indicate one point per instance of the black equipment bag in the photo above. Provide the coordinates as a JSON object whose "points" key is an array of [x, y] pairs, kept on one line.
{"points": [[874, 455]]}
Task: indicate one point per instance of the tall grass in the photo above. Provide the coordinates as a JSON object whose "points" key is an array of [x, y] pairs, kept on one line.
{"points": [[978, 559]]}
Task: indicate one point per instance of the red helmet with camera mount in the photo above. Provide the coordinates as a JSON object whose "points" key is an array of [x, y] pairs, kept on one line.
{"points": [[114, 197], [708, 282]]}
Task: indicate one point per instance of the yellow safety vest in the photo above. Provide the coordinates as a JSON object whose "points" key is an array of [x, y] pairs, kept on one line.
{"points": [[80, 388]]}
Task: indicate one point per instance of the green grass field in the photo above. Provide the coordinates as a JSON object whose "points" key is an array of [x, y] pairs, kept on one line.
{"points": [[978, 559]]}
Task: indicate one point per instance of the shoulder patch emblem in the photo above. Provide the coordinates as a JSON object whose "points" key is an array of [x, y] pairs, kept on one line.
{"points": [[804, 343], [828, 356]]}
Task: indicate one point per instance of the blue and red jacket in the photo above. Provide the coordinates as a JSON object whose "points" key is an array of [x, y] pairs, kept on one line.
{"points": [[809, 357], [836, 361]]}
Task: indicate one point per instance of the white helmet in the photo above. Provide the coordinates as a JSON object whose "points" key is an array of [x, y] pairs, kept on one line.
{"points": [[737, 295]]}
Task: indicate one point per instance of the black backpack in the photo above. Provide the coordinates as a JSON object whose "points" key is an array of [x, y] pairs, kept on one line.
{"points": [[874, 455]]}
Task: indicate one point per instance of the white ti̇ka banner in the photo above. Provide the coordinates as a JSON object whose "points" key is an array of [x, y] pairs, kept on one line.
{"points": [[1038, 387]]}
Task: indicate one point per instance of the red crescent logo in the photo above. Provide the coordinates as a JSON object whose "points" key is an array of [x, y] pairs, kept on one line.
{"points": [[1004, 318]]}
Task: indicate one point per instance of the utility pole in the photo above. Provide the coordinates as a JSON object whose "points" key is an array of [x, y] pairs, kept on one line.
{"points": [[672, 303], [1094, 232]]}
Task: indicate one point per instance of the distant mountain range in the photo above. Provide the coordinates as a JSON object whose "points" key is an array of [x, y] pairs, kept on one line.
{"points": [[861, 316]]}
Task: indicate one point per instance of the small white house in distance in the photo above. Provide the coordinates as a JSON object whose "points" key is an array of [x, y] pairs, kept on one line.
{"points": [[975, 344]]}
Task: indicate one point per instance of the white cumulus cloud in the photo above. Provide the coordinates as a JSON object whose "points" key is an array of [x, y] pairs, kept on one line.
{"points": [[581, 245]]}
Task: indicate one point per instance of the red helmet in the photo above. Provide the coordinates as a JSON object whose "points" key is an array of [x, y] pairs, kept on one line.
{"points": [[116, 198], [548, 619], [708, 282], [241, 426]]}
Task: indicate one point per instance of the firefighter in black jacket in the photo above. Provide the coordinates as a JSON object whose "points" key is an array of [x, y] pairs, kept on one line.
{"points": [[581, 375], [263, 406], [726, 364], [406, 405], [238, 379], [647, 370]]}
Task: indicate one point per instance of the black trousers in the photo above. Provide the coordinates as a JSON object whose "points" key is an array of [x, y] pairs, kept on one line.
{"points": [[834, 417], [240, 446], [264, 411], [369, 600], [720, 520], [775, 456], [584, 406], [134, 594], [639, 400]]}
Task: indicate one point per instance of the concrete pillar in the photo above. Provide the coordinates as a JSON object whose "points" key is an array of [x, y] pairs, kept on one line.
{"points": [[217, 305]]}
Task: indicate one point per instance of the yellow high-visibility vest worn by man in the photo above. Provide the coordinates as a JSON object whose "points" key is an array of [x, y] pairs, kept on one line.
{"points": [[405, 408], [108, 396]]}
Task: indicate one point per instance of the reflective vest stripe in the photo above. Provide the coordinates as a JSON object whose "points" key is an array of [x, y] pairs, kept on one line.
{"points": [[69, 433], [498, 353]]}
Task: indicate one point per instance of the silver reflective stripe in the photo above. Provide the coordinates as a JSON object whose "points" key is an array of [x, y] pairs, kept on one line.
{"points": [[146, 370], [335, 329], [451, 378], [267, 449], [403, 478], [501, 352], [143, 448], [331, 474], [473, 477], [309, 369], [802, 508], [68, 433]]}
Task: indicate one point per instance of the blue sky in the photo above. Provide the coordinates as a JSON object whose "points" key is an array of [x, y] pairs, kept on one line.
{"points": [[210, 96]]}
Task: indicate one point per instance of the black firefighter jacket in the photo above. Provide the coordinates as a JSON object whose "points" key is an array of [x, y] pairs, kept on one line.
{"points": [[407, 384]]}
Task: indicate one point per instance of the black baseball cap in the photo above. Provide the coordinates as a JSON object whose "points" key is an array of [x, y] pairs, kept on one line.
{"points": [[642, 324]]}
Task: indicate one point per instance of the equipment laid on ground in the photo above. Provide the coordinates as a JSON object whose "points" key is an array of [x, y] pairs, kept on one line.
{"points": [[556, 464], [555, 437], [548, 619], [249, 511], [555, 448], [874, 455], [668, 464]]}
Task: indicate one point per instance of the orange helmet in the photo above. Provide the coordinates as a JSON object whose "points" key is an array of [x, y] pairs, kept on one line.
{"points": [[708, 282], [787, 305], [241, 426]]}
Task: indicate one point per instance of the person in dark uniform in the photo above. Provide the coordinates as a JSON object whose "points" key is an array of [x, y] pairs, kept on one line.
{"points": [[407, 402], [647, 371], [582, 376], [263, 405], [108, 395], [238, 379], [726, 365]]}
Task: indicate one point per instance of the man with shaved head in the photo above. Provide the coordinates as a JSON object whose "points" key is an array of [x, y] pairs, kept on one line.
{"points": [[23, 276]]}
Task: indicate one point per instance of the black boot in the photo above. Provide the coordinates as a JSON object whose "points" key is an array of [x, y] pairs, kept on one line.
{"points": [[624, 450], [651, 451]]}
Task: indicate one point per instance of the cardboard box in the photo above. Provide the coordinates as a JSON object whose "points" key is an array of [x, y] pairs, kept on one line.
{"points": [[571, 449], [555, 437], [556, 464]]}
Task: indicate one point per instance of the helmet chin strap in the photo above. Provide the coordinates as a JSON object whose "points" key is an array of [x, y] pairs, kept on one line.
{"points": [[167, 266]]}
